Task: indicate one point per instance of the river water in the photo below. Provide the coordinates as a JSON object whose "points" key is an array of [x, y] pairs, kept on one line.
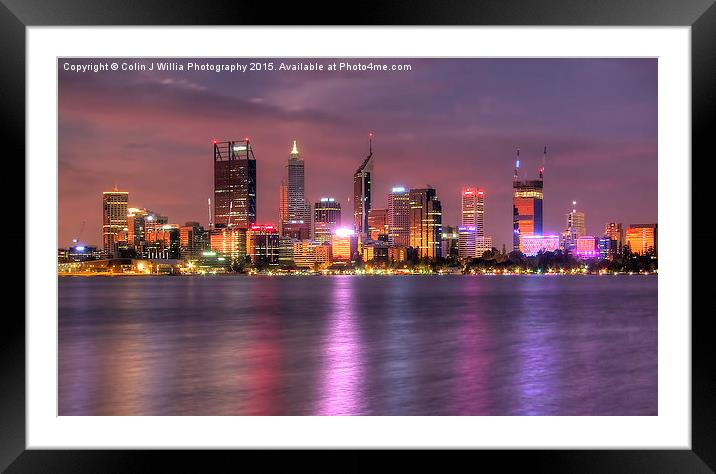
{"points": [[358, 345]]}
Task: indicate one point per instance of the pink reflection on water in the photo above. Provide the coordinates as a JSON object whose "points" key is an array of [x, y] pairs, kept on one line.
{"points": [[473, 358], [342, 372]]}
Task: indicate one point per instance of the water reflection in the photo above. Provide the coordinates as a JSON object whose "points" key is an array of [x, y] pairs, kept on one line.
{"points": [[342, 371], [473, 358], [358, 346]]}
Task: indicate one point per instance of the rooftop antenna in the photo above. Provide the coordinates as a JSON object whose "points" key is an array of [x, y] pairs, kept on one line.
{"points": [[370, 143], [517, 165], [544, 158]]}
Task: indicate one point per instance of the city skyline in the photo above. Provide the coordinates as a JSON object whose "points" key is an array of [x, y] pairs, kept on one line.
{"points": [[601, 199]]}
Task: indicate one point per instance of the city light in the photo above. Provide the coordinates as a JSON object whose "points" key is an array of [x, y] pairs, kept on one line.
{"points": [[344, 232]]}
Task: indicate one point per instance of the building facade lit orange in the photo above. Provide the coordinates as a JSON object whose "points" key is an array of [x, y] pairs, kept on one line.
{"points": [[642, 239]]}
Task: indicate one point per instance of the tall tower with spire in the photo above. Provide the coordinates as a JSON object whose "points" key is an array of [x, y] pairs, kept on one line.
{"points": [[294, 211], [362, 190]]}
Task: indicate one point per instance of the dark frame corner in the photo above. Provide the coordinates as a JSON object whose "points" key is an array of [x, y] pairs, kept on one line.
{"points": [[16, 15]]}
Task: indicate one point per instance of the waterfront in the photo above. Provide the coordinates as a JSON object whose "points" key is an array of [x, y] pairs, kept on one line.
{"points": [[358, 345]]}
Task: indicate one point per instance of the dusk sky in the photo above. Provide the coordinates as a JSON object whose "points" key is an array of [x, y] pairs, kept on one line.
{"points": [[448, 123]]}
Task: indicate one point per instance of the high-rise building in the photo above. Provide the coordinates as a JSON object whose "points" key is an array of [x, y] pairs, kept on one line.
{"points": [[466, 241], [139, 222], [575, 228], [607, 247], [162, 242], [294, 211], [193, 240], [473, 209], [642, 239], [234, 184], [378, 224], [615, 232], [527, 205], [576, 221], [229, 242], [450, 241], [114, 219], [263, 245], [327, 218], [425, 223], [362, 191], [399, 217]]}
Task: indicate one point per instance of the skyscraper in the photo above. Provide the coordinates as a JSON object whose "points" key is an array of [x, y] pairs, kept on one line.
{"points": [[327, 218], [114, 219], [576, 220], [527, 197], [615, 232], [234, 184], [399, 217], [473, 209], [362, 191], [425, 222], [263, 245], [295, 213], [328, 210], [576, 228]]}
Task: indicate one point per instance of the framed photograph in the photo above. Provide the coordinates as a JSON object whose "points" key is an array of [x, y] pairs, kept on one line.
{"points": [[437, 228]]}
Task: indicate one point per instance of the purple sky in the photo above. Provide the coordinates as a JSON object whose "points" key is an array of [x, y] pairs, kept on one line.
{"points": [[448, 123]]}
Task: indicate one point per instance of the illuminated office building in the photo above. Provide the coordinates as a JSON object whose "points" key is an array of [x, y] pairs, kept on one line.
{"points": [[193, 240], [575, 228], [114, 220], [425, 223], [607, 247], [229, 242], [473, 209], [234, 184], [615, 231], [304, 253], [399, 217], [309, 253], [482, 245], [362, 191], [378, 224], [375, 251], [263, 245], [344, 243], [531, 245], [326, 217], [397, 254], [576, 221], [324, 253], [587, 247], [162, 242], [527, 205], [285, 252], [642, 239], [466, 241], [294, 211]]}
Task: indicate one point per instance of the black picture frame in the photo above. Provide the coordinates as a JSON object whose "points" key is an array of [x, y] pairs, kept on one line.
{"points": [[700, 15]]}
